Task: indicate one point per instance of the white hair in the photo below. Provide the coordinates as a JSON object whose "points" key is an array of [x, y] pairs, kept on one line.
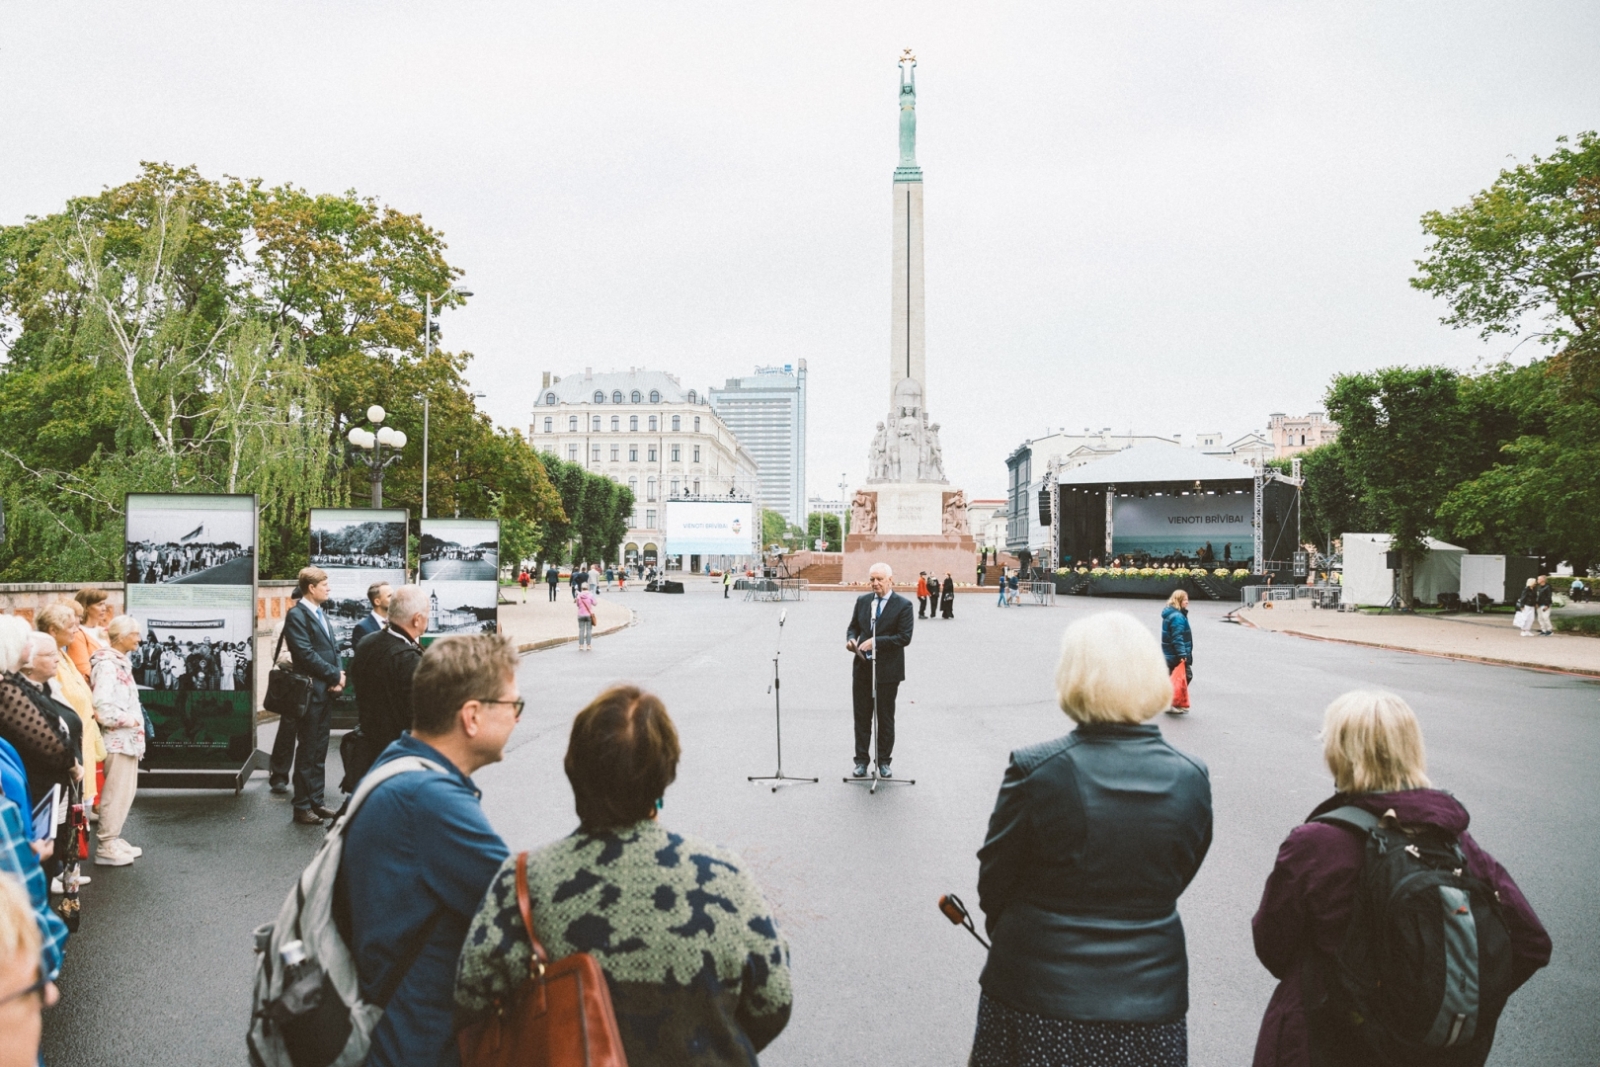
{"points": [[407, 602], [1111, 670], [888, 571], [14, 642], [37, 639], [123, 625]]}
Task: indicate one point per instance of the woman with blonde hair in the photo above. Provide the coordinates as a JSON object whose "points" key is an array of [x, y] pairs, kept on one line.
{"points": [[117, 708], [1177, 645], [1372, 744], [62, 622], [1094, 837]]}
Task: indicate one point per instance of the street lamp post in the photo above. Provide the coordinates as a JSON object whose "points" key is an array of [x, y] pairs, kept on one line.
{"points": [[369, 447], [427, 350]]}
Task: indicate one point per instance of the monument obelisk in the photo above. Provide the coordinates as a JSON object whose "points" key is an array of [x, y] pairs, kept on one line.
{"points": [[907, 515], [907, 346]]}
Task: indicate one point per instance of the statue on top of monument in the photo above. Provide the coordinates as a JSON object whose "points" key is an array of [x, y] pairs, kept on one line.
{"points": [[908, 109]]}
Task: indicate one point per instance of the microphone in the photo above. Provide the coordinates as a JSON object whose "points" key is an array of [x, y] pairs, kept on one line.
{"points": [[784, 614]]}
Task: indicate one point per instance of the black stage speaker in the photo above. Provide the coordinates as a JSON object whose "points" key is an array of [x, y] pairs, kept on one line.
{"points": [[1391, 560], [1044, 507]]}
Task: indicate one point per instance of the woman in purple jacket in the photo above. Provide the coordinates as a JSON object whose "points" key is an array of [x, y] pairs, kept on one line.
{"points": [[1373, 746]]}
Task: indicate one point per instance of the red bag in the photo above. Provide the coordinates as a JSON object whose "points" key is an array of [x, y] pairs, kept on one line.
{"points": [[1180, 685], [560, 1016]]}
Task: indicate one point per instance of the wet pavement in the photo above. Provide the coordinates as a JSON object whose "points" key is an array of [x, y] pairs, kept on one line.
{"points": [[160, 973]]}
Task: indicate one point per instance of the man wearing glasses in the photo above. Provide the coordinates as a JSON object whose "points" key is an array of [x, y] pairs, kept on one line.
{"points": [[24, 990], [419, 853]]}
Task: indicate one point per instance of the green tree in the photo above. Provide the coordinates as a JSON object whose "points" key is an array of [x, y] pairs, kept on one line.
{"points": [[181, 334], [1529, 245], [821, 525], [1402, 435]]}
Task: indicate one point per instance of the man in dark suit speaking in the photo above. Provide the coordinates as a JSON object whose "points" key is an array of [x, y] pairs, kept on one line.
{"points": [[883, 647], [309, 636]]}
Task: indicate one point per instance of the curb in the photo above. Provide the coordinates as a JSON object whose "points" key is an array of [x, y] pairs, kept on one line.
{"points": [[553, 642], [1575, 672]]}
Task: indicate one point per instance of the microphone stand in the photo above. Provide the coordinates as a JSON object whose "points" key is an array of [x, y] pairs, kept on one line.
{"points": [[873, 777], [777, 712]]}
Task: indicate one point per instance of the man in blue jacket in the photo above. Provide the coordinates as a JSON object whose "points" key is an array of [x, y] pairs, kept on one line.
{"points": [[419, 854], [879, 631]]}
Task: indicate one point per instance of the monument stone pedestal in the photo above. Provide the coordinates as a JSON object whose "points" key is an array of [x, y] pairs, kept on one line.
{"points": [[912, 527]]}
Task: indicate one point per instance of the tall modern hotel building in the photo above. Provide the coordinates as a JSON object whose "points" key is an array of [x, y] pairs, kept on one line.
{"points": [[767, 412]]}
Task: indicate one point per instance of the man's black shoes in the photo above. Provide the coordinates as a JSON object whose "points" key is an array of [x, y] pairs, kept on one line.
{"points": [[860, 770]]}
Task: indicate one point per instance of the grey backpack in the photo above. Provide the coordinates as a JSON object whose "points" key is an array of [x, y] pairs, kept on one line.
{"points": [[312, 1014]]}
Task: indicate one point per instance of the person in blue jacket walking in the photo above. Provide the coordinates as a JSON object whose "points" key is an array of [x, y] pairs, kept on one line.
{"points": [[1177, 644]]}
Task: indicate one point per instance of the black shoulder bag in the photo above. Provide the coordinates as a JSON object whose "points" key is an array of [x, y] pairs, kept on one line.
{"points": [[288, 691]]}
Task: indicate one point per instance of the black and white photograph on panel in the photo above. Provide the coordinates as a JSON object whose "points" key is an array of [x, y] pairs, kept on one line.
{"points": [[463, 607], [459, 550], [358, 538], [190, 539], [360, 548], [195, 649]]}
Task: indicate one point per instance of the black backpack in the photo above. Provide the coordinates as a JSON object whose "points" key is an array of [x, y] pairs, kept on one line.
{"points": [[1425, 967]]}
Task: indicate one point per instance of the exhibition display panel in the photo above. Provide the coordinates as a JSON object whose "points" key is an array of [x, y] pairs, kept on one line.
{"points": [[190, 569], [459, 560]]}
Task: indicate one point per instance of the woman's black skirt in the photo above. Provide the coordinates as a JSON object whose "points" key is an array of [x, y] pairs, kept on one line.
{"points": [[1010, 1038]]}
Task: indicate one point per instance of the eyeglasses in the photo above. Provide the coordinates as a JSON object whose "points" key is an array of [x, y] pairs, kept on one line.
{"points": [[516, 705], [36, 987]]}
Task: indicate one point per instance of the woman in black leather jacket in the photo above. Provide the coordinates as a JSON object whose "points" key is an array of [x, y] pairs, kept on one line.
{"points": [[1094, 837]]}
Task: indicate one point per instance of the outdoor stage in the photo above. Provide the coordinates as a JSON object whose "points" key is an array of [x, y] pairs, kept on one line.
{"points": [[1133, 520]]}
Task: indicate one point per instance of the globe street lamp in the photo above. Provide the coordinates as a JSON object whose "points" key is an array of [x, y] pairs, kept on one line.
{"points": [[369, 447]]}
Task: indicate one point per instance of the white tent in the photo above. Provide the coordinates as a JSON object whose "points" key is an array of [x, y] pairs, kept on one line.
{"points": [[1368, 579]]}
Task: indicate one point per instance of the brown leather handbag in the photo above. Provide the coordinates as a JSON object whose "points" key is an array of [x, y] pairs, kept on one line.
{"points": [[560, 1016]]}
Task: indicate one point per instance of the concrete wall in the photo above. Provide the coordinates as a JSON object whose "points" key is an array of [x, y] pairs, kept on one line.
{"points": [[25, 599]]}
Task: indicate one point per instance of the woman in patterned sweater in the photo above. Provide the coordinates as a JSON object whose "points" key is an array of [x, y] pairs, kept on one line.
{"points": [[697, 970]]}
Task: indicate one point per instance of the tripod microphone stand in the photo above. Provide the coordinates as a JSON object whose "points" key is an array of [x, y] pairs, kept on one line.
{"points": [[777, 712], [874, 778]]}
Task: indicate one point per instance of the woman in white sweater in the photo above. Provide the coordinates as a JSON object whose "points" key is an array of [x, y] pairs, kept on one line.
{"points": [[121, 718]]}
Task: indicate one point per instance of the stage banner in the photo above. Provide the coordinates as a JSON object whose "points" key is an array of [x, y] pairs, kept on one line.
{"points": [[459, 561], [709, 527], [1169, 525], [359, 548], [190, 570]]}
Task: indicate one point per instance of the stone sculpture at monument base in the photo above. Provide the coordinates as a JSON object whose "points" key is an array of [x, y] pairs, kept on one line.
{"points": [[911, 528]]}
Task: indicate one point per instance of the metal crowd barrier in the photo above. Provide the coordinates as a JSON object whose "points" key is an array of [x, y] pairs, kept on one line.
{"points": [[1321, 596], [773, 589], [1043, 593]]}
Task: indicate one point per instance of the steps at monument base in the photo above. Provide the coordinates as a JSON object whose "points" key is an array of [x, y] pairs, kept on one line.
{"points": [[823, 573]]}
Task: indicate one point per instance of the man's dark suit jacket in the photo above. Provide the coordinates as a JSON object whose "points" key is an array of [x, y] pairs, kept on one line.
{"points": [[312, 648], [368, 625], [894, 634], [381, 672]]}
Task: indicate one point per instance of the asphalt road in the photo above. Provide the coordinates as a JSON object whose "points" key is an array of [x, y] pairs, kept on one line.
{"points": [[459, 570], [160, 973]]}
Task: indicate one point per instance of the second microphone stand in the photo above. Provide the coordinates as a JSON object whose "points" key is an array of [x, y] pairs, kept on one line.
{"points": [[777, 711]]}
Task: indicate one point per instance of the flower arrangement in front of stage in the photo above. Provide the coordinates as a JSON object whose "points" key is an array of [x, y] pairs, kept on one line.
{"points": [[1147, 572], [1240, 573], [1221, 572]]}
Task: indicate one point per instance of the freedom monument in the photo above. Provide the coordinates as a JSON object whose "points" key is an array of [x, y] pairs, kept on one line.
{"points": [[907, 515]]}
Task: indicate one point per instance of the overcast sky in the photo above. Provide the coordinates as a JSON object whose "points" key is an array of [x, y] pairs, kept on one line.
{"points": [[1164, 217]]}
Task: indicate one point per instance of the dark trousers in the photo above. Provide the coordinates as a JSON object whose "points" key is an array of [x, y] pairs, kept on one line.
{"points": [[552, 592], [304, 743], [861, 694], [922, 607], [725, 588]]}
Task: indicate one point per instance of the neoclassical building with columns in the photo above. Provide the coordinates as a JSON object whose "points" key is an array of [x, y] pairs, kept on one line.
{"points": [[644, 430]]}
